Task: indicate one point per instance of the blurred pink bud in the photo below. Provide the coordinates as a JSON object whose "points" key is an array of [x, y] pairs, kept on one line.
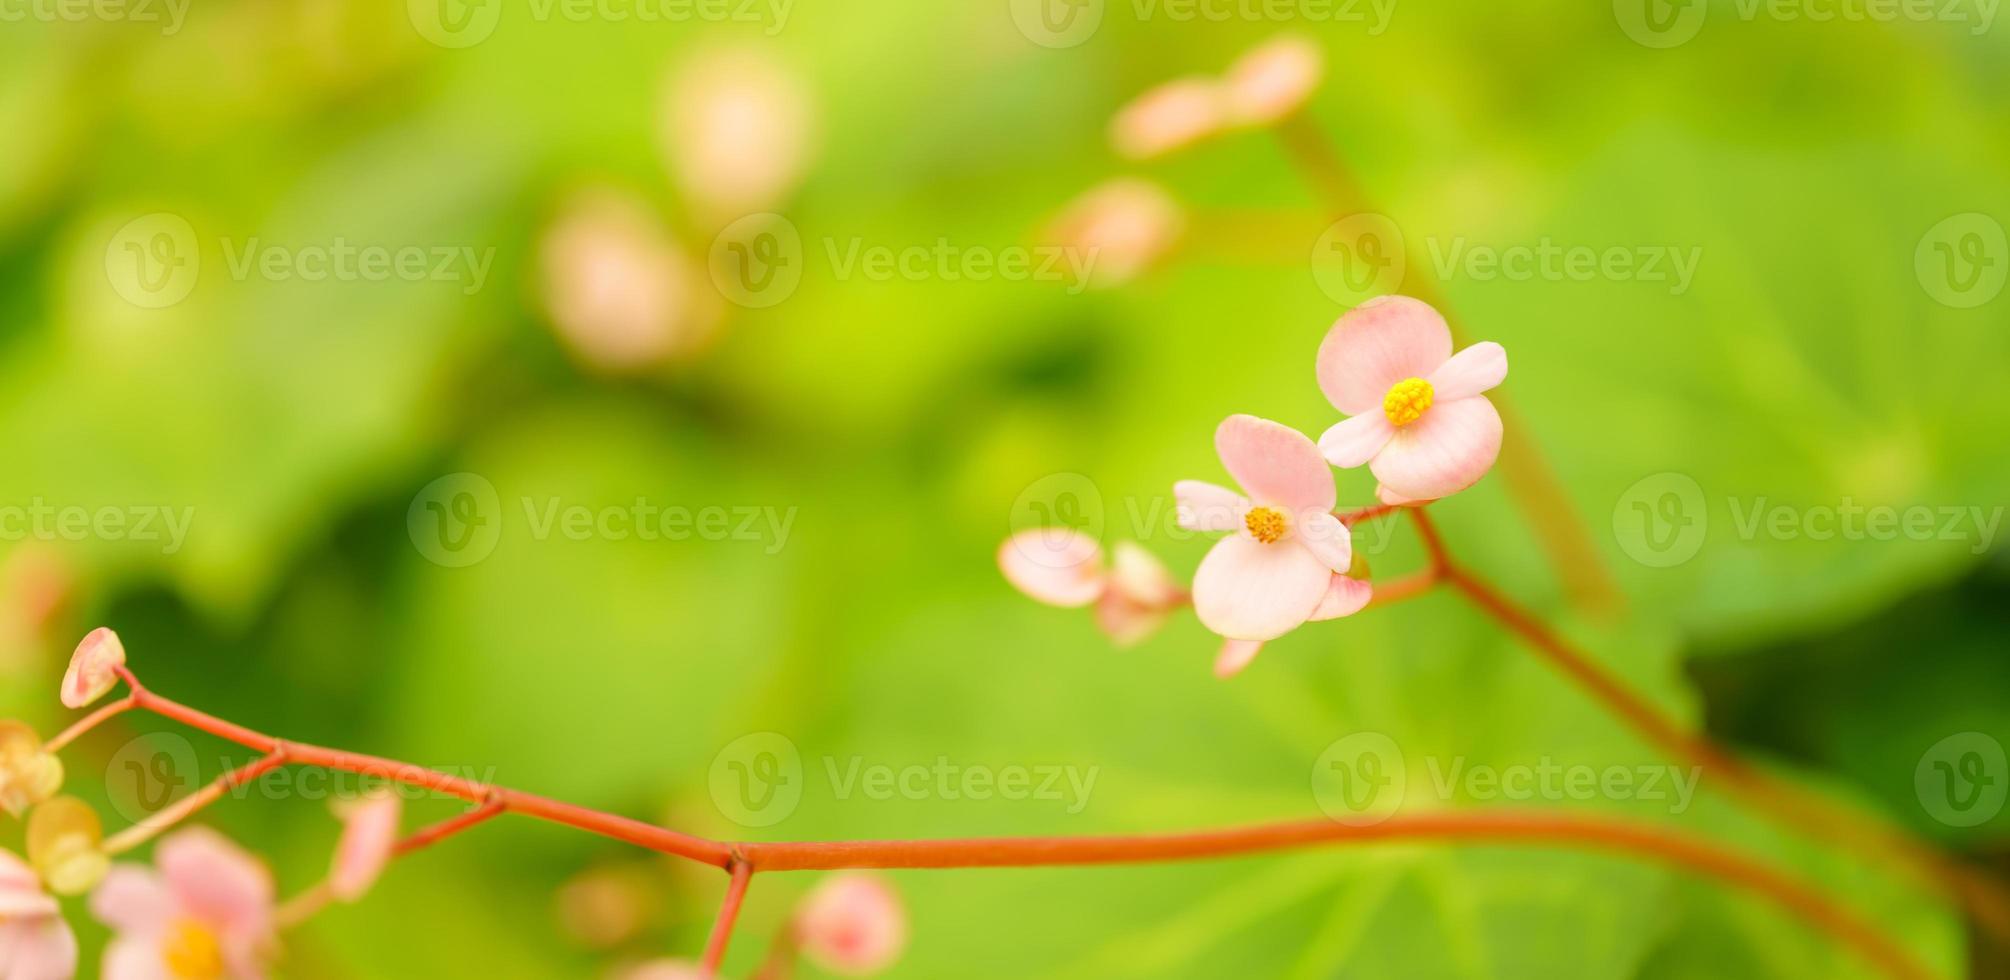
{"points": [[852, 923], [1123, 225], [619, 291], [39, 582], [736, 127], [35, 941], [205, 910], [1172, 116], [1054, 565], [369, 834], [1139, 596], [664, 970], [1272, 81], [93, 668], [604, 907]]}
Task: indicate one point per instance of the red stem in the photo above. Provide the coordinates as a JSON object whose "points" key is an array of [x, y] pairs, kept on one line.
{"points": [[729, 913], [428, 836]]}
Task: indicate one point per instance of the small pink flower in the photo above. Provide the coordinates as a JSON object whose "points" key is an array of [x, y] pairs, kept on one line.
{"points": [[369, 833], [93, 668], [1172, 116], [1273, 80], [852, 923], [1063, 567], [206, 912], [1284, 562], [621, 294], [737, 129], [1418, 418], [1122, 226], [35, 942]]}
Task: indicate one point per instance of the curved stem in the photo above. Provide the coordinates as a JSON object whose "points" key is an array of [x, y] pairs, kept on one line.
{"points": [[729, 913]]}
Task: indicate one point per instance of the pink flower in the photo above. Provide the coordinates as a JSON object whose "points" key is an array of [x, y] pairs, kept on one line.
{"points": [[736, 127], [1284, 562], [93, 668], [1273, 80], [620, 292], [665, 970], [35, 942], [1122, 225], [852, 923], [1169, 117], [206, 912], [1418, 418], [1064, 567], [369, 833]]}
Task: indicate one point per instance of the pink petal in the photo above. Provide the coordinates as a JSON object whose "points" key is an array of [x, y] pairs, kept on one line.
{"points": [[132, 957], [217, 882], [37, 948], [1054, 565], [1352, 442], [1204, 506], [91, 675], [1446, 451], [1273, 80], [133, 899], [1375, 345], [1168, 117], [1126, 621], [1248, 590], [1344, 597], [369, 831], [1394, 499], [852, 923], [1275, 464], [665, 970], [21, 892], [1473, 370], [1140, 576], [1329, 540], [1235, 655]]}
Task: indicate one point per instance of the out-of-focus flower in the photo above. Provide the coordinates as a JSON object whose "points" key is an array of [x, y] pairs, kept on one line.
{"points": [[852, 923], [1064, 567], [1122, 225], [1273, 80], [1171, 116], [65, 845], [369, 833], [93, 668], [664, 970], [36, 584], [1285, 559], [1419, 419], [205, 910], [35, 942], [737, 129], [620, 292], [28, 775], [604, 907]]}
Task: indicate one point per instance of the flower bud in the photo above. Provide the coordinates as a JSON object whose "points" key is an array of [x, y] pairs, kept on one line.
{"points": [[64, 845], [93, 672], [852, 924], [369, 835], [28, 775]]}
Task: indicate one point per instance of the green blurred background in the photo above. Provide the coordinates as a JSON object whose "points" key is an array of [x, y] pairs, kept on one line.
{"points": [[906, 426]]}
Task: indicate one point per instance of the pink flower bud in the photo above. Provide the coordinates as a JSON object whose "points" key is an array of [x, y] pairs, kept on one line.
{"points": [[1273, 80], [664, 970], [1172, 116], [369, 833], [1054, 565], [621, 294], [736, 128], [852, 923], [1121, 226], [92, 672]]}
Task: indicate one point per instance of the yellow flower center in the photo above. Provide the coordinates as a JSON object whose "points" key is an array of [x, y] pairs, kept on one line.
{"points": [[192, 952], [1406, 401], [1265, 524]]}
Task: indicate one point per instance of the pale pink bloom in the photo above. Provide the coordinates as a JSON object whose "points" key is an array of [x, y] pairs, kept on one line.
{"points": [[1273, 80], [1284, 560], [620, 292], [1418, 418], [207, 911], [1121, 226], [605, 907], [736, 126], [369, 834], [35, 942], [851, 923], [1063, 567], [93, 668], [1172, 116], [664, 970]]}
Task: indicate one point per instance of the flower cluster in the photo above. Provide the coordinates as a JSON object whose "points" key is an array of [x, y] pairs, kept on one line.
{"points": [[1417, 418]]}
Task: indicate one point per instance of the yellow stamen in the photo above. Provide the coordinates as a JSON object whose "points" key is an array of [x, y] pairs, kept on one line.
{"points": [[1265, 524], [1407, 401], [192, 952]]}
